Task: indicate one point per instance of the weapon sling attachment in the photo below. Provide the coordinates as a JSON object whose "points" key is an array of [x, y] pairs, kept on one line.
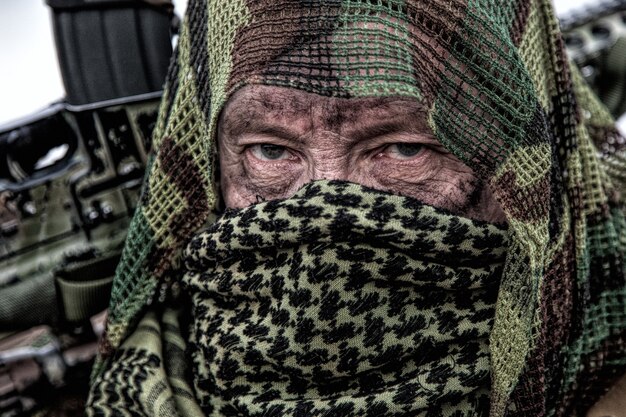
{"points": [[83, 288]]}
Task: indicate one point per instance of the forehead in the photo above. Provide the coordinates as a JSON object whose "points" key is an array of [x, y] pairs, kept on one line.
{"points": [[282, 105]]}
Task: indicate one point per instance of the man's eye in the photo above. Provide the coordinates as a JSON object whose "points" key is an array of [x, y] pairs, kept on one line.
{"points": [[403, 150], [269, 152]]}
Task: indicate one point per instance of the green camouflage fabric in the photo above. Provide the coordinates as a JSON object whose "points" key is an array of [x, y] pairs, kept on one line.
{"points": [[503, 98]]}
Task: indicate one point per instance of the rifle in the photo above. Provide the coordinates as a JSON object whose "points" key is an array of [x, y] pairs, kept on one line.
{"points": [[70, 178]]}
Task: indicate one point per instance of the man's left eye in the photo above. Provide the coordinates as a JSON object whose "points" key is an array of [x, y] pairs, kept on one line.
{"points": [[269, 152], [403, 150]]}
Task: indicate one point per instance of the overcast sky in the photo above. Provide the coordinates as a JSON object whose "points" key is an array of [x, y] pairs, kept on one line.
{"points": [[29, 74]]}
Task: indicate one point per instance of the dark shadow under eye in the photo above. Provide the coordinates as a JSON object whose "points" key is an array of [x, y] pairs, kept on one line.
{"points": [[270, 151], [409, 149]]}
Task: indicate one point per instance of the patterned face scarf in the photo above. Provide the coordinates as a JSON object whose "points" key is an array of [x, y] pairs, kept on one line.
{"points": [[501, 97], [343, 301]]}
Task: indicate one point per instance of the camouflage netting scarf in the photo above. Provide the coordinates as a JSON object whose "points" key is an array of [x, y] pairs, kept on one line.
{"points": [[502, 97]]}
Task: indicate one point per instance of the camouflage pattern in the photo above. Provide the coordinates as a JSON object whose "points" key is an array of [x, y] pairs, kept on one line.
{"points": [[502, 97]]}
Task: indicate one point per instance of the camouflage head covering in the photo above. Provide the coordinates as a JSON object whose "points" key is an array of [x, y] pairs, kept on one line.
{"points": [[502, 97]]}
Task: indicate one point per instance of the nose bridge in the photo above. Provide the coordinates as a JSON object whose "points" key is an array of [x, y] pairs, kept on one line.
{"points": [[329, 157], [328, 172]]}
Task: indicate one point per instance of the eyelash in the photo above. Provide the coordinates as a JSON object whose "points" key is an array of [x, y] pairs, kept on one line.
{"points": [[406, 158], [249, 149], [376, 153]]}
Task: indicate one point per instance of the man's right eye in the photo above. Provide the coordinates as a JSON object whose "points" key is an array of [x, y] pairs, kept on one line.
{"points": [[269, 152]]}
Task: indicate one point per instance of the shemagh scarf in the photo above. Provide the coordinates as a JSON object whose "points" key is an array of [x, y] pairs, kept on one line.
{"points": [[503, 99], [342, 301]]}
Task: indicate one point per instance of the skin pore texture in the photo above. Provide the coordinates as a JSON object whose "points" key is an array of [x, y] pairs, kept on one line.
{"points": [[273, 140]]}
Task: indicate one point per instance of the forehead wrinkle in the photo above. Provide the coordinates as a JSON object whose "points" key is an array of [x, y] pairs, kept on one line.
{"points": [[264, 109], [355, 116], [258, 108]]}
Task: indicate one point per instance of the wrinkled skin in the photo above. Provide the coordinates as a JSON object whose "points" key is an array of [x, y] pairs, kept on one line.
{"points": [[273, 140]]}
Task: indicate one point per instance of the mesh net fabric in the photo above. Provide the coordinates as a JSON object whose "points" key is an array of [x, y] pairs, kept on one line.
{"points": [[502, 97]]}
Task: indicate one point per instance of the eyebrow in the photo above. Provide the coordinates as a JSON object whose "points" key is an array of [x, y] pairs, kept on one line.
{"points": [[399, 123], [275, 131], [412, 118], [239, 127]]}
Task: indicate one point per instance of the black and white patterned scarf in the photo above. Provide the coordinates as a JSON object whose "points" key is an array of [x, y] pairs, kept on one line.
{"points": [[340, 301]]}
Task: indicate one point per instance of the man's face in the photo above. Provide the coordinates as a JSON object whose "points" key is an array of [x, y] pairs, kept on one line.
{"points": [[273, 140]]}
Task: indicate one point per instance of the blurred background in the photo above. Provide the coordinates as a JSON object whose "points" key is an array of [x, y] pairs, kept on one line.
{"points": [[80, 87], [29, 73]]}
